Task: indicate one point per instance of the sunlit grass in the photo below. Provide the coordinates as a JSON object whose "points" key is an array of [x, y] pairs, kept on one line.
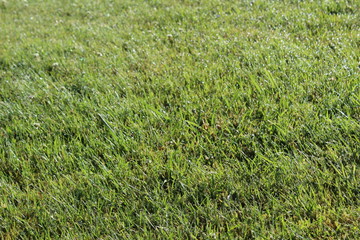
{"points": [[179, 119]]}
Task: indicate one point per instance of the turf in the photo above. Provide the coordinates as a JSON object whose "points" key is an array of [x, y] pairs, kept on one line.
{"points": [[179, 119]]}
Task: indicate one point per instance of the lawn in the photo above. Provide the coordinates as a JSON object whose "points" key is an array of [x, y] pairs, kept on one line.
{"points": [[179, 119]]}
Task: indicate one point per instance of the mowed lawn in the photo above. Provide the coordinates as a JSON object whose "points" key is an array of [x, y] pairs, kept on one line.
{"points": [[179, 119]]}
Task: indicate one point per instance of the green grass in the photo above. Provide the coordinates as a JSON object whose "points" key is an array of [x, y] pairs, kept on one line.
{"points": [[154, 119]]}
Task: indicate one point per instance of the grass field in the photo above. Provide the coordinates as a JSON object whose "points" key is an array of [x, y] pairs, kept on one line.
{"points": [[155, 119]]}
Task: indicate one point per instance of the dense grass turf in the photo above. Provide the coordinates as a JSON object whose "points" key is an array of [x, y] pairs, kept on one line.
{"points": [[175, 119]]}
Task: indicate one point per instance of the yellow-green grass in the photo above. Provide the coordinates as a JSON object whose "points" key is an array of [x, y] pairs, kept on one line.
{"points": [[179, 119]]}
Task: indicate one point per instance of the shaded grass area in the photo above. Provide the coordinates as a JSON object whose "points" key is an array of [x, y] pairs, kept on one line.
{"points": [[179, 119]]}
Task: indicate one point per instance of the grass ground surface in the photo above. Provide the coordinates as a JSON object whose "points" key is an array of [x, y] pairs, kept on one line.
{"points": [[166, 119]]}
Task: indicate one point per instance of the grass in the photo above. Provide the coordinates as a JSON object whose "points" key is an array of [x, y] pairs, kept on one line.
{"points": [[154, 119]]}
